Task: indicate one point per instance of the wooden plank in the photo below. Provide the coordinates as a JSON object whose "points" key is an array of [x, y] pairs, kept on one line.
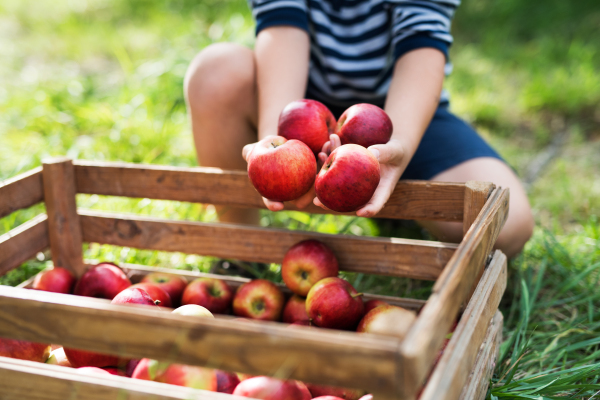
{"points": [[314, 355], [452, 371], [63, 222], [420, 200], [23, 243], [425, 337], [384, 256], [38, 381], [21, 191], [476, 194], [479, 380]]}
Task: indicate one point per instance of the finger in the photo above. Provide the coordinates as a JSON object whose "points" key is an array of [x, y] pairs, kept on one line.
{"points": [[318, 203], [380, 197], [388, 153], [273, 205], [322, 158], [326, 147], [247, 150], [335, 141], [305, 199]]}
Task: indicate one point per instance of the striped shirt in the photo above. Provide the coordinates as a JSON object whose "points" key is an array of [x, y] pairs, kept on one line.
{"points": [[355, 43]]}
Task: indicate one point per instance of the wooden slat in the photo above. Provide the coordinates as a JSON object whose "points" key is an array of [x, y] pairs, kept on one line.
{"points": [[451, 373], [21, 191], [29, 380], [23, 243], [63, 222], [425, 337], [421, 200], [479, 380], [313, 355], [476, 194], [384, 256]]}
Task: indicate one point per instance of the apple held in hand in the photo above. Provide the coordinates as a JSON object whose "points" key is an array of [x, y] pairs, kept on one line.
{"points": [[387, 320], [348, 178], [309, 121], [266, 388], [295, 310], [305, 264], [24, 350], [104, 280], [334, 303], [157, 293], [258, 299], [365, 125], [173, 284], [214, 294], [57, 280], [281, 169]]}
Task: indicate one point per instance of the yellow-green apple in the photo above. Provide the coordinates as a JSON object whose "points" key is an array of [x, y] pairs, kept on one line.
{"points": [[24, 350], [213, 294], [338, 392], [334, 303], [295, 310], [266, 388], [258, 299], [348, 178], [93, 370], [134, 295], [371, 304], [387, 320], [226, 381], [306, 263], [155, 292], [82, 358], [309, 121], [104, 280], [365, 125], [171, 283], [193, 310], [176, 374], [281, 169], [58, 357], [57, 280]]}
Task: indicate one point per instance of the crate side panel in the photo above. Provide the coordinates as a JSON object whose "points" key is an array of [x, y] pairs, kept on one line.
{"points": [[23, 243], [22, 191]]}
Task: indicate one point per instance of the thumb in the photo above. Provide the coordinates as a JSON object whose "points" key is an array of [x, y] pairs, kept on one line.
{"points": [[385, 154], [247, 150]]}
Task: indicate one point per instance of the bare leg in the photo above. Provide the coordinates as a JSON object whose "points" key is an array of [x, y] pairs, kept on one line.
{"points": [[519, 225], [220, 90]]}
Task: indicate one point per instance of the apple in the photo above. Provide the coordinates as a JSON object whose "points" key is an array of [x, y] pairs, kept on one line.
{"points": [[305, 264], [130, 367], [58, 357], [193, 310], [156, 292], [367, 396], [213, 294], [57, 280], [114, 371], [104, 280], [328, 398], [309, 121], [334, 303], [226, 381], [93, 370], [266, 388], [176, 374], [348, 178], [24, 350], [295, 310], [171, 283], [243, 377], [365, 125], [300, 323], [281, 169], [371, 304], [334, 391], [133, 295], [83, 358], [258, 299], [387, 320]]}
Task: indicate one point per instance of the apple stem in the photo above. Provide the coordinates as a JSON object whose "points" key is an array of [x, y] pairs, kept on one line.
{"points": [[157, 302], [357, 295]]}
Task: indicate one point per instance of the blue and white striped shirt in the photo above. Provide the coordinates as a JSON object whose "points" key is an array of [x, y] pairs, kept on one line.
{"points": [[355, 43]]}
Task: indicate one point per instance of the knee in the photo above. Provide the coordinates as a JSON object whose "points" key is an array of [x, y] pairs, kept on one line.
{"points": [[218, 74], [517, 229]]}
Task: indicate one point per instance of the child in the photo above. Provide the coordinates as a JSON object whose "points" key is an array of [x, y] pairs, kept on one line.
{"points": [[390, 53]]}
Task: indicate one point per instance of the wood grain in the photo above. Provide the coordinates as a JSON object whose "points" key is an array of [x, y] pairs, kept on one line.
{"points": [[421, 345], [384, 256], [63, 222], [476, 194], [313, 355], [21, 191], [452, 371], [420, 200], [23, 243]]}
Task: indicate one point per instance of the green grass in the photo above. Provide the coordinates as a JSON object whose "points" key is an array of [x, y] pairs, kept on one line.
{"points": [[102, 80]]}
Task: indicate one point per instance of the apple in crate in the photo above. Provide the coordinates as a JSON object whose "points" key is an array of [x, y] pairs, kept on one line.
{"points": [[387, 320], [365, 125], [173, 284], [334, 303], [281, 169], [134, 295], [82, 358], [348, 178], [176, 374], [24, 350], [309, 121], [57, 280], [371, 304], [104, 280], [226, 381], [266, 388], [295, 310], [156, 292], [193, 310], [259, 299], [213, 294], [58, 357], [305, 264], [319, 391]]}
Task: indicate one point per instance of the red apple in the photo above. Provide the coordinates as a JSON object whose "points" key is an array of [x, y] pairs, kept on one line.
{"points": [[24, 350], [258, 299], [193, 310], [114, 371], [295, 310], [348, 178], [328, 398], [213, 294], [155, 292], [57, 280], [334, 303], [58, 357], [387, 320], [305, 264], [226, 381], [176, 374], [281, 169], [266, 388], [82, 358], [130, 367], [371, 304], [171, 283], [133, 295], [367, 396], [93, 370], [104, 280], [334, 391], [309, 121], [365, 125]]}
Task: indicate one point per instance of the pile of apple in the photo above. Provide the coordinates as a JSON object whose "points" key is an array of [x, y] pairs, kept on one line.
{"points": [[284, 167]]}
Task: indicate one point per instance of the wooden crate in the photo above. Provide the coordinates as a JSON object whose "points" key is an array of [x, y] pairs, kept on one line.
{"points": [[469, 273]]}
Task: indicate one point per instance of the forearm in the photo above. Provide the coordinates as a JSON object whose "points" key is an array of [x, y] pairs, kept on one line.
{"points": [[282, 55]]}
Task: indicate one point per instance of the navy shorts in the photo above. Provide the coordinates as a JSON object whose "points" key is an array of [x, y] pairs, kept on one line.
{"points": [[447, 142]]}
